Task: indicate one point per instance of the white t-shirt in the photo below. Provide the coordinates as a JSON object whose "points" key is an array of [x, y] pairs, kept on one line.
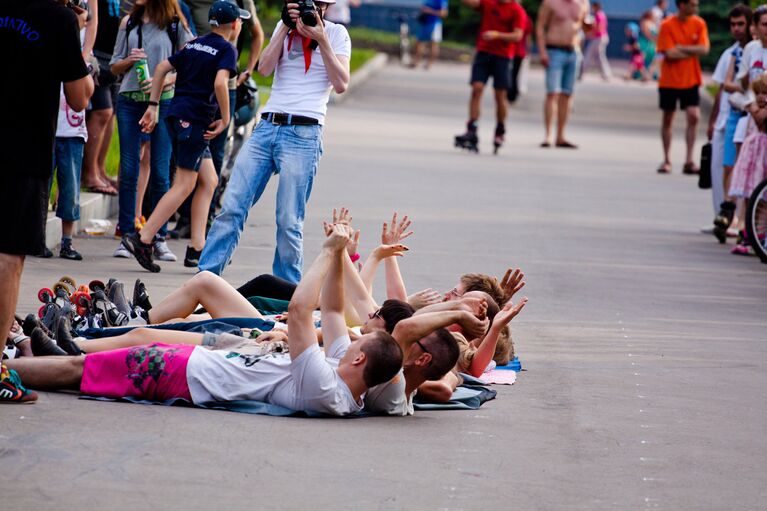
{"points": [[754, 61], [720, 76], [339, 12], [389, 398], [298, 91], [70, 124], [308, 383]]}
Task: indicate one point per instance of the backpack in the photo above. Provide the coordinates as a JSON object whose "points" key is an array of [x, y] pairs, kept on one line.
{"points": [[172, 29]]}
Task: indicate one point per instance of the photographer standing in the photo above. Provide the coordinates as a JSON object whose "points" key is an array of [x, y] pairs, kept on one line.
{"points": [[307, 61]]}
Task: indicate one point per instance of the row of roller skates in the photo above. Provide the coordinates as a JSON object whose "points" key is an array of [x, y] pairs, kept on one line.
{"points": [[92, 305], [470, 140]]}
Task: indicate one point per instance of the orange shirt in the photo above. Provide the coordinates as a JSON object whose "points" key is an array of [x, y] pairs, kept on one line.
{"points": [[682, 73]]}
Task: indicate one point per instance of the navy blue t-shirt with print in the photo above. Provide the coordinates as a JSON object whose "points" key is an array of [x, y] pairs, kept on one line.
{"points": [[197, 65]]}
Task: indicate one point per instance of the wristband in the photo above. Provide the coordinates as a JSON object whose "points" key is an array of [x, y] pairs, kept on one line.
{"points": [[355, 257], [153, 103]]}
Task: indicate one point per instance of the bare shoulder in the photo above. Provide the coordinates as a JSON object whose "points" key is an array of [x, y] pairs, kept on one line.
{"points": [[124, 22]]}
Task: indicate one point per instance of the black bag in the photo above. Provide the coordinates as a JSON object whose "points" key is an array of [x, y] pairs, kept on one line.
{"points": [[704, 178]]}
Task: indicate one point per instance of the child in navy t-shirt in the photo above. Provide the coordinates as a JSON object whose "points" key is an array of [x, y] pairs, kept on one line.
{"points": [[203, 69]]}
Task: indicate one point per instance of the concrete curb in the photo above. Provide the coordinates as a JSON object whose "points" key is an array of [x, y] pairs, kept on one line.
{"points": [[92, 206], [360, 76], [99, 206]]}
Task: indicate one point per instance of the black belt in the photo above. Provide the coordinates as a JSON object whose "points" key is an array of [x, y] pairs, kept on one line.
{"points": [[277, 118], [560, 47]]}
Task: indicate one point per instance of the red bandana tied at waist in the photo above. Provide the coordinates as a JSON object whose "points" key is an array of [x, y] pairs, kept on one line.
{"points": [[306, 44]]}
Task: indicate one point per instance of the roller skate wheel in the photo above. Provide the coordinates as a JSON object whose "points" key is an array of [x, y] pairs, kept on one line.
{"points": [[69, 280], [96, 285], [61, 286], [45, 295]]}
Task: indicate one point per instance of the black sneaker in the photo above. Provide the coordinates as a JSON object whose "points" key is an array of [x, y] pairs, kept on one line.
{"points": [[141, 296], [141, 251], [68, 252], [192, 257], [64, 338], [43, 345]]}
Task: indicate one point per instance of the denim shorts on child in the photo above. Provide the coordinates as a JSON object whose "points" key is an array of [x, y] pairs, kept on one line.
{"points": [[68, 161], [189, 145], [560, 73]]}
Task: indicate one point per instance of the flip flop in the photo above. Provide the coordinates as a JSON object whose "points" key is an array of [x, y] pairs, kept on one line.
{"points": [[545, 144], [566, 145], [664, 169], [104, 189], [690, 169]]}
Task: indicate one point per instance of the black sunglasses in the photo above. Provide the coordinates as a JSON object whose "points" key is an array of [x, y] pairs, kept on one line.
{"points": [[420, 345]]}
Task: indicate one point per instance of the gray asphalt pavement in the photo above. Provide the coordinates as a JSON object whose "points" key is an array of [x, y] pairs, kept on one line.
{"points": [[644, 341]]}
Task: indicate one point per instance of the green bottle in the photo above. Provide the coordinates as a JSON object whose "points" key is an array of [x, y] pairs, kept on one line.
{"points": [[142, 72]]}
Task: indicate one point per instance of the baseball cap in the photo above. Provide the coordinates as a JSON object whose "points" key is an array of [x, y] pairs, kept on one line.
{"points": [[223, 12]]}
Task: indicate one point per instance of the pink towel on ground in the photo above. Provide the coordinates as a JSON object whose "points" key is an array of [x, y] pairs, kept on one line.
{"points": [[499, 377]]}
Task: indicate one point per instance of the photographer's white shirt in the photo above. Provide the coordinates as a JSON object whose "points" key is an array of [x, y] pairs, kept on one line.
{"points": [[298, 91]]}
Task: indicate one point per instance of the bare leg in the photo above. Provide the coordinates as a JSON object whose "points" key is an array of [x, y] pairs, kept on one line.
{"points": [[206, 187], [434, 55], [693, 116], [476, 98], [97, 121], [104, 150], [144, 170], [500, 106], [726, 178], [563, 112], [665, 134], [549, 108], [11, 266], [49, 373], [206, 289], [417, 54], [140, 337], [183, 184]]}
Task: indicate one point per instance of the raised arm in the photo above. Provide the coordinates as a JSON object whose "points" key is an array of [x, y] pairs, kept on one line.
{"points": [[486, 348], [271, 54], [393, 234], [332, 299], [336, 66], [306, 297], [414, 328], [256, 43]]}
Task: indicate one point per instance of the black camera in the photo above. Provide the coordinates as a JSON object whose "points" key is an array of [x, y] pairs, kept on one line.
{"points": [[307, 11]]}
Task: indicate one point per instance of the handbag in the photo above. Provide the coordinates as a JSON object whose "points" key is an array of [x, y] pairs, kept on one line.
{"points": [[704, 178]]}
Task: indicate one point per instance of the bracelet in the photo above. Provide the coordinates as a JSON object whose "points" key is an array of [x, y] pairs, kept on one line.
{"points": [[153, 103], [355, 257]]}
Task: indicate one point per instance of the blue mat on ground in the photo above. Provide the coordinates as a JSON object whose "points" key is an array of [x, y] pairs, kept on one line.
{"points": [[215, 326], [468, 396], [514, 365]]}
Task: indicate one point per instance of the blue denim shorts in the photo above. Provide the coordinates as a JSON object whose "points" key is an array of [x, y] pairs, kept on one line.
{"points": [[560, 73], [189, 145], [729, 137], [68, 162]]}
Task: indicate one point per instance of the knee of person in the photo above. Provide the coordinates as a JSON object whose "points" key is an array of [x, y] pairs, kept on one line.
{"points": [[204, 278], [477, 88], [693, 117]]}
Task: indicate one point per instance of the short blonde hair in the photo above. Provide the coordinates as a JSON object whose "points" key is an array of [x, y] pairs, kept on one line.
{"points": [[759, 86]]}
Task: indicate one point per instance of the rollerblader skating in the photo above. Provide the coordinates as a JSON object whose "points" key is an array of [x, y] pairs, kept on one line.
{"points": [[468, 140]]}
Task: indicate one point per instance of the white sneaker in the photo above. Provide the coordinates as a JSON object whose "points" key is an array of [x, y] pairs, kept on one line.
{"points": [[122, 252], [162, 252]]}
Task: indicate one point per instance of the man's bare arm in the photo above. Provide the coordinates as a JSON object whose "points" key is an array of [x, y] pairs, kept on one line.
{"points": [[79, 92], [414, 328], [332, 300], [544, 17], [306, 297]]}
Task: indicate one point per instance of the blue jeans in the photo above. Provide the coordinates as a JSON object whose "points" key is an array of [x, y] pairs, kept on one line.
{"points": [[129, 113], [68, 161], [294, 153]]}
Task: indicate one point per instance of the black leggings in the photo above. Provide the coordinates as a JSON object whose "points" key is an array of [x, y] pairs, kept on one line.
{"points": [[268, 286]]}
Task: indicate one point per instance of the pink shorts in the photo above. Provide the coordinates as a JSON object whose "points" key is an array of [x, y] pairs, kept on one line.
{"points": [[155, 372]]}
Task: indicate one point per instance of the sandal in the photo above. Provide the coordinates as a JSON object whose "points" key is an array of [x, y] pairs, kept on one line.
{"points": [[102, 189], [664, 169], [690, 169]]}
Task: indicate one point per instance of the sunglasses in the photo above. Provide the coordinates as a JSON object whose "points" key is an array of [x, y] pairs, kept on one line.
{"points": [[374, 315], [420, 345]]}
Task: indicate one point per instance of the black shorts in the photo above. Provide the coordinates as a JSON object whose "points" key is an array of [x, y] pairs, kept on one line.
{"points": [[24, 208], [486, 65], [686, 97], [189, 145], [104, 96]]}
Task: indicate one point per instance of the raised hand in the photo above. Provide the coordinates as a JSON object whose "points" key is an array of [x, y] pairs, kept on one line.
{"points": [[511, 283], [475, 305], [509, 312], [395, 232], [423, 298], [384, 251], [339, 237], [472, 326]]}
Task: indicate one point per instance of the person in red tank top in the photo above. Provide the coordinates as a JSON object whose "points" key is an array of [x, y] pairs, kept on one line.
{"points": [[501, 27]]}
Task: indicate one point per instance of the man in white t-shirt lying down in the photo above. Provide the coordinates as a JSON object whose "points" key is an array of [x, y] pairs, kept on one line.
{"points": [[306, 379]]}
